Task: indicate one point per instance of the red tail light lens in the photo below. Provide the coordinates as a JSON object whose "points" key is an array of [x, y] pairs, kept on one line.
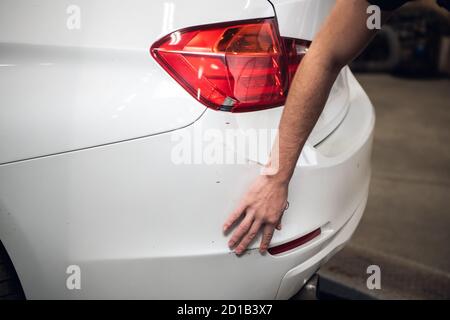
{"points": [[237, 67], [295, 51]]}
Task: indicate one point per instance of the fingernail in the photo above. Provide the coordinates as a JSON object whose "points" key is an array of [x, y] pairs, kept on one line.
{"points": [[230, 244]]}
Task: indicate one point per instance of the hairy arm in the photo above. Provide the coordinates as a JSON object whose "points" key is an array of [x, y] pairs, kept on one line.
{"points": [[342, 37], [340, 40]]}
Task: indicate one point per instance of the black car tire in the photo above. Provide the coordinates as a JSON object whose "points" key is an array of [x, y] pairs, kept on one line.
{"points": [[10, 288]]}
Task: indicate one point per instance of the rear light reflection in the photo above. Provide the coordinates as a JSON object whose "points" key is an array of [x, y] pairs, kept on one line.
{"points": [[294, 243], [237, 67]]}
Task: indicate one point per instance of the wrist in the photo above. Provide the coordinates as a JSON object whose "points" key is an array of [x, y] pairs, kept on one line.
{"points": [[275, 174], [275, 178]]}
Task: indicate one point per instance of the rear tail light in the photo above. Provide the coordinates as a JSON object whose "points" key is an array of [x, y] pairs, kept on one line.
{"points": [[237, 67]]}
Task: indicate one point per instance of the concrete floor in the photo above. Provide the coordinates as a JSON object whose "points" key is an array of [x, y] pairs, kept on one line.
{"points": [[406, 227]]}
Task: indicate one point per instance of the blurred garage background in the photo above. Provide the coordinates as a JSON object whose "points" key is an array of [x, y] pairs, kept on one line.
{"points": [[406, 227]]}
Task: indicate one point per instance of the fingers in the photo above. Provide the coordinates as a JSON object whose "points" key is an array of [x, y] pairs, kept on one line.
{"points": [[234, 216], [267, 237], [248, 237], [278, 225], [242, 229], [248, 229]]}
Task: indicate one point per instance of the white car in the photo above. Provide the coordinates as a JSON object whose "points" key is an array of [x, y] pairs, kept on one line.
{"points": [[95, 95]]}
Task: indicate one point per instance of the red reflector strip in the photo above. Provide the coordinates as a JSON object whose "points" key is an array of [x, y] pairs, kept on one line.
{"points": [[294, 243]]}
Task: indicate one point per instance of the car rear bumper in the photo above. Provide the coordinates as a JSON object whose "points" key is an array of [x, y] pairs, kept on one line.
{"points": [[298, 276], [140, 226]]}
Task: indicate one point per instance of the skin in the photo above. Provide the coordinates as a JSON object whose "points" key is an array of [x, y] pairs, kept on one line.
{"points": [[343, 36]]}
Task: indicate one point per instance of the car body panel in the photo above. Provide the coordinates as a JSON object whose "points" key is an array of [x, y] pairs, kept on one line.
{"points": [[133, 219], [65, 89], [301, 18], [89, 125]]}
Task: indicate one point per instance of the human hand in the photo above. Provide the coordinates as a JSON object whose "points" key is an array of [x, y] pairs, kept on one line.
{"points": [[262, 207]]}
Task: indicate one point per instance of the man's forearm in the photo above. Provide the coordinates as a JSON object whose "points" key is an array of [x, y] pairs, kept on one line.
{"points": [[343, 36], [307, 98], [338, 42]]}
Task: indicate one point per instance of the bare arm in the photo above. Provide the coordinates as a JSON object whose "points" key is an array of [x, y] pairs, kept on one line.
{"points": [[340, 40], [342, 37]]}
